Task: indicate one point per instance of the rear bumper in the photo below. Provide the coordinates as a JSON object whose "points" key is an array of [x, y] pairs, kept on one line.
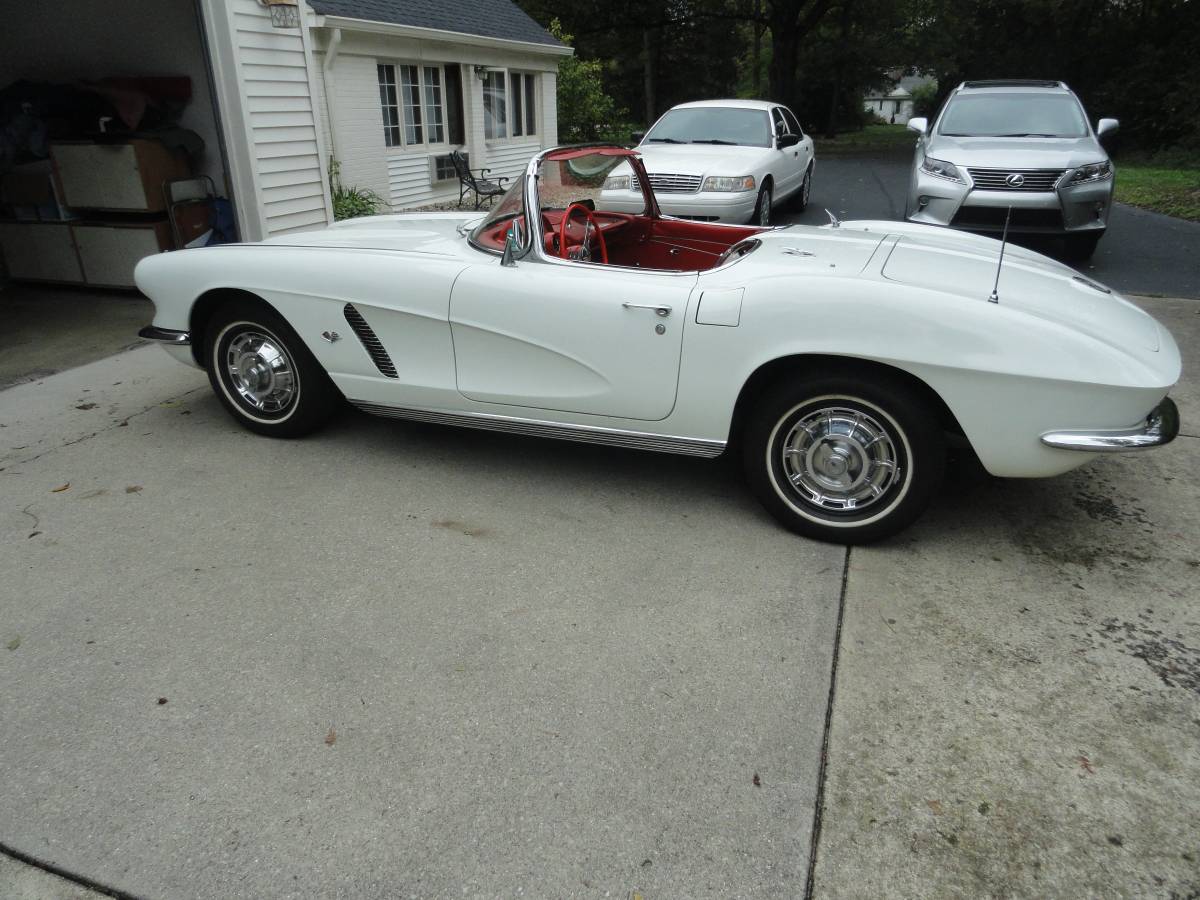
{"points": [[1160, 427]]}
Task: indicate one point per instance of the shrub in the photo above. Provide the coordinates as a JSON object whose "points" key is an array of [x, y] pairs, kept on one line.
{"points": [[350, 202]]}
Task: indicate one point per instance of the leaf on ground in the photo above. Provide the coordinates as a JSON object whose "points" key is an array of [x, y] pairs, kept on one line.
{"points": [[133, 489], [1086, 764], [87, 406], [171, 404], [33, 534], [162, 701], [935, 805], [331, 737], [60, 488], [14, 643], [756, 780]]}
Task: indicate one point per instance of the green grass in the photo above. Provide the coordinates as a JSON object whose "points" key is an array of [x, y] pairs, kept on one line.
{"points": [[1174, 192], [872, 139]]}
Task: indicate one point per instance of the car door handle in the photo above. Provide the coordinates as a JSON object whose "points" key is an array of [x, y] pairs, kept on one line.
{"points": [[660, 309]]}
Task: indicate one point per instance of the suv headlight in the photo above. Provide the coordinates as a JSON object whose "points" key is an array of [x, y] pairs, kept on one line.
{"points": [[942, 169], [729, 185], [1095, 172], [616, 183]]}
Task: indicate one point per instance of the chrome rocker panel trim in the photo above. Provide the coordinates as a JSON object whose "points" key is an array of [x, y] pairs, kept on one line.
{"points": [[1160, 427], [590, 434], [166, 336]]}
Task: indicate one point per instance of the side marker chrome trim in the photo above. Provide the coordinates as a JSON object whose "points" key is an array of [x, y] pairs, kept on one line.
{"points": [[166, 336], [1160, 427], [590, 434]]}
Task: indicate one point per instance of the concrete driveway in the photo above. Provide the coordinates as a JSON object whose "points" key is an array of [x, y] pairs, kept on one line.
{"points": [[399, 660]]}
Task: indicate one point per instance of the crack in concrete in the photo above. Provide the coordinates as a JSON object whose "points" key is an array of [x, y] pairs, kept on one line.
{"points": [[819, 806], [65, 874]]}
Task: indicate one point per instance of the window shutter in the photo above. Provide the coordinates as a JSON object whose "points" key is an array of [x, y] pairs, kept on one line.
{"points": [[454, 104]]}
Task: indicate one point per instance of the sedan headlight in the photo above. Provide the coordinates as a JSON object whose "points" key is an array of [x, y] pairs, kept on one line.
{"points": [[616, 183], [729, 185], [942, 169], [1095, 172]]}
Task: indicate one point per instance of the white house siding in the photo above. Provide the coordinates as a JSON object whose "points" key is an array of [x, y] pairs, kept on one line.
{"points": [[280, 120], [510, 160]]}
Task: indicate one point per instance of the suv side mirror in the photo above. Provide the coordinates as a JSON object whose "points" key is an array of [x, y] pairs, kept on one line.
{"points": [[1106, 127], [636, 136], [920, 124], [788, 140]]}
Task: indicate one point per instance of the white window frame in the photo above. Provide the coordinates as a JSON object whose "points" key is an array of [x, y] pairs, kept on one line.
{"points": [[423, 107], [510, 107]]}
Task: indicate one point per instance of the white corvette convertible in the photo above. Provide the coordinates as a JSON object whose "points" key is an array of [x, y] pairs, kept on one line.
{"points": [[840, 358]]}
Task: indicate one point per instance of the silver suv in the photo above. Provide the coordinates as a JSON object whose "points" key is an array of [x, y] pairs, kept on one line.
{"points": [[1024, 145]]}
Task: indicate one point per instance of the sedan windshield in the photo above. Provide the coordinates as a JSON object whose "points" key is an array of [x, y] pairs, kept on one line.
{"points": [[713, 125], [1013, 115]]}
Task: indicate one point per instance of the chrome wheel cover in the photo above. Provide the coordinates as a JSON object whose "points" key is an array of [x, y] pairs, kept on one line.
{"points": [[261, 372], [840, 460], [764, 208]]}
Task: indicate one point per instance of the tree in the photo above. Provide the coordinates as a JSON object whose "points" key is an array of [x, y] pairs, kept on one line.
{"points": [[585, 111]]}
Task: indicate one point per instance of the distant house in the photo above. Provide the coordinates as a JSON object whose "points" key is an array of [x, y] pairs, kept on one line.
{"points": [[894, 103]]}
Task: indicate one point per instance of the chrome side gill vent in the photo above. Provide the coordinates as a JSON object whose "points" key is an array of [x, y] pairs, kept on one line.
{"points": [[370, 341]]}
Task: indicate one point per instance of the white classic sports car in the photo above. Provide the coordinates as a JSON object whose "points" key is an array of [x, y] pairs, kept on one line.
{"points": [[841, 358], [720, 161]]}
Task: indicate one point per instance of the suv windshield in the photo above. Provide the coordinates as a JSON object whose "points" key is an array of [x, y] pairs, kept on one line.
{"points": [[1013, 115], [713, 125]]}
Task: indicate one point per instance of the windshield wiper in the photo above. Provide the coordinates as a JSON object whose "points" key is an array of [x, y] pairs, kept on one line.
{"points": [[717, 141], [1024, 134], [665, 141]]}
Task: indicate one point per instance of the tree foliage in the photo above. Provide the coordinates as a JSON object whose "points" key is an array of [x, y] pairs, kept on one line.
{"points": [[585, 111]]}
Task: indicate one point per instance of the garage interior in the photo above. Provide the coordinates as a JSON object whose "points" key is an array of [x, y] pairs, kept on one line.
{"points": [[110, 150]]}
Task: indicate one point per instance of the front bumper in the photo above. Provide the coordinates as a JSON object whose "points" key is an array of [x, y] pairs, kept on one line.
{"points": [[1159, 428], [168, 336], [705, 206], [1066, 210]]}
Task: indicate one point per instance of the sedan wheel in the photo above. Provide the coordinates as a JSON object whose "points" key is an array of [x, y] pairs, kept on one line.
{"points": [[762, 211], [805, 190], [263, 374], [842, 460]]}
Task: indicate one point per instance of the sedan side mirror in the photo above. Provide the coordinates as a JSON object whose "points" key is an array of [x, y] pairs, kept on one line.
{"points": [[920, 124], [512, 245], [788, 140], [1106, 127], [636, 136]]}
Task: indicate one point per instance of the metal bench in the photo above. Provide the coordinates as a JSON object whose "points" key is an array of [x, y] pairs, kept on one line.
{"points": [[469, 182]]}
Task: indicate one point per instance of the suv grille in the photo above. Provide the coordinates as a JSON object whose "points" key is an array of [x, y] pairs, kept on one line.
{"points": [[1033, 180], [370, 341], [991, 218], [674, 184]]}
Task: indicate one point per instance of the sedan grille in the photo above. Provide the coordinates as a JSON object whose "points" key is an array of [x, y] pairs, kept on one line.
{"points": [[1039, 181], [370, 341], [674, 184]]}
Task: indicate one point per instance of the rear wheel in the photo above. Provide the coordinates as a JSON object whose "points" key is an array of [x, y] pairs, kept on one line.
{"points": [[843, 460], [263, 373]]}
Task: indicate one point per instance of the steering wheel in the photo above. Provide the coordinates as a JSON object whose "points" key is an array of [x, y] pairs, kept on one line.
{"points": [[589, 223]]}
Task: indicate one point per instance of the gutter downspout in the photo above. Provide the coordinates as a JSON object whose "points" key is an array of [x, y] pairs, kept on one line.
{"points": [[331, 54]]}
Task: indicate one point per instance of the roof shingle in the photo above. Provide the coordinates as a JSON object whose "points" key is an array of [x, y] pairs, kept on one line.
{"points": [[487, 18]]}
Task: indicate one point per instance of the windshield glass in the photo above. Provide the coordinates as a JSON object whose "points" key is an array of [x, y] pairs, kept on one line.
{"points": [[591, 180], [1013, 115], [713, 125], [510, 206]]}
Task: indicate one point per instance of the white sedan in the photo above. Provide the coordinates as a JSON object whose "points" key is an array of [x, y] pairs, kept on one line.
{"points": [[721, 161], [840, 358]]}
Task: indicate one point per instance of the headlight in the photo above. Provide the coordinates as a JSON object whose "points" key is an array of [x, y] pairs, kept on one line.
{"points": [[616, 183], [1094, 172], [942, 169], [729, 185]]}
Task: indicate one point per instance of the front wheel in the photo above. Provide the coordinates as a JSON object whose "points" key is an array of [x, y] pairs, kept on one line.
{"points": [[805, 191], [842, 459], [762, 209], [1080, 247], [263, 373]]}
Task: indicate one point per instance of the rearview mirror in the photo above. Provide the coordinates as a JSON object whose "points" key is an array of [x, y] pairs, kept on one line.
{"points": [[920, 124], [788, 140], [637, 136], [1106, 127]]}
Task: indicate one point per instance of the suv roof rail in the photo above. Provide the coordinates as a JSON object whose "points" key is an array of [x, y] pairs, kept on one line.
{"points": [[1014, 82]]}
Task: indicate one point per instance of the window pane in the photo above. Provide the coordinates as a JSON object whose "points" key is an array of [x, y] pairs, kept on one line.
{"points": [[530, 106], [517, 99], [387, 103], [410, 91], [454, 104], [495, 106], [433, 105]]}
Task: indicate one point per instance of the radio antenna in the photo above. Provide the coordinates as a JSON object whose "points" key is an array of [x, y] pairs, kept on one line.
{"points": [[994, 297]]}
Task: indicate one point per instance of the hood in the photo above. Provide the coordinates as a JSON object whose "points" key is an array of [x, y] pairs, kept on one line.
{"points": [[1016, 153], [701, 159], [1035, 285], [426, 232]]}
